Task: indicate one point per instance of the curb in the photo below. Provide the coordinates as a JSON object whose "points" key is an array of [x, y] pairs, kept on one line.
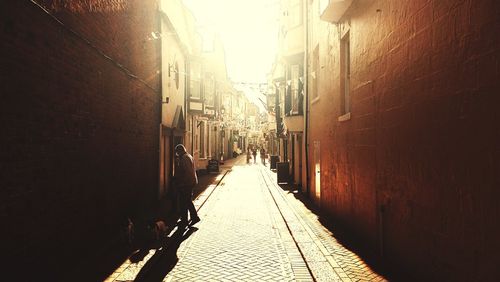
{"points": [[335, 266], [198, 202], [269, 184]]}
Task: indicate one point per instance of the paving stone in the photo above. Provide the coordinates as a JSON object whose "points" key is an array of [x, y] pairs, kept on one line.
{"points": [[251, 230], [239, 238], [301, 222]]}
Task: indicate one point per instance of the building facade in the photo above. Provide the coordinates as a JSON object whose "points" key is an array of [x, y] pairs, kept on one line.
{"points": [[399, 135], [80, 111], [286, 82], [199, 102]]}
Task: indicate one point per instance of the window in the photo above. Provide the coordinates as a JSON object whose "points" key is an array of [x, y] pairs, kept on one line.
{"points": [[294, 89], [345, 75], [322, 5], [208, 43], [271, 99], [173, 71], [315, 73], [288, 99], [202, 139], [295, 13], [282, 97], [209, 89], [195, 80], [197, 144]]}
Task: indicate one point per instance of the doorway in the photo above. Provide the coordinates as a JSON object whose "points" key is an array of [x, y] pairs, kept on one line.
{"points": [[317, 172]]}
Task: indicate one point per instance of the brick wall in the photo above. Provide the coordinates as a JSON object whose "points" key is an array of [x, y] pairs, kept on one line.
{"points": [[79, 120], [423, 137]]}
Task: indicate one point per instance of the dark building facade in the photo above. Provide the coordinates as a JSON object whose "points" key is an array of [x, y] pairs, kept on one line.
{"points": [[80, 112], [409, 156]]}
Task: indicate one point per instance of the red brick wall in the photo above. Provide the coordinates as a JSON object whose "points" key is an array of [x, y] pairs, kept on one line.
{"points": [[79, 130], [125, 32], [423, 140]]}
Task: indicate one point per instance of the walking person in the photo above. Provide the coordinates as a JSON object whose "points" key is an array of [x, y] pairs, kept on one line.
{"points": [[254, 153], [185, 180], [249, 156], [263, 155]]}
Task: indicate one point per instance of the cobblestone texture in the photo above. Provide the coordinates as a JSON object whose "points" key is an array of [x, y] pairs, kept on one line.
{"points": [[316, 242], [251, 230], [240, 237]]}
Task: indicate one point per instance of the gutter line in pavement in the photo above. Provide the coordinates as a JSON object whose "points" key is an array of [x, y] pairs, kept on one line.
{"points": [[268, 184], [198, 207]]}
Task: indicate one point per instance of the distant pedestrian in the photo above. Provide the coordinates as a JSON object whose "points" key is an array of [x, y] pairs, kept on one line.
{"points": [[185, 179], [254, 153], [249, 155], [263, 155]]}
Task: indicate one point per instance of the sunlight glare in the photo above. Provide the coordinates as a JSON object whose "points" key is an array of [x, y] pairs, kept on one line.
{"points": [[248, 30]]}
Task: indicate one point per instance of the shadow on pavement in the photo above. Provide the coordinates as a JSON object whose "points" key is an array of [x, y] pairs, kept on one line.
{"points": [[104, 260], [349, 239], [204, 180], [165, 259]]}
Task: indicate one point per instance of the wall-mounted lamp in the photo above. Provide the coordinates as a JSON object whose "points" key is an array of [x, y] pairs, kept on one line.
{"points": [[155, 35]]}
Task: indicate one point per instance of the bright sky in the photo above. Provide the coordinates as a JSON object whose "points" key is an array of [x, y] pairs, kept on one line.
{"points": [[249, 30]]}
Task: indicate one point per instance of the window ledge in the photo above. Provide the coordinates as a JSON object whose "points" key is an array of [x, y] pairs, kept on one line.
{"points": [[294, 115], [345, 117], [334, 10]]}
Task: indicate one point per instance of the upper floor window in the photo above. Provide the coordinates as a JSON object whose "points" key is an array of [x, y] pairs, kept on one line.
{"points": [[315, 73], [295, 13], [345, 75], [202, 139], [209, 89], [323, 4], [294, 91], [195, 80]]}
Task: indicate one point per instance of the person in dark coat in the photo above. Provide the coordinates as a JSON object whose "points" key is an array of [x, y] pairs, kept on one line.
{"points": [[185, 179], [263, 155], [254, 153], [249, 156]]}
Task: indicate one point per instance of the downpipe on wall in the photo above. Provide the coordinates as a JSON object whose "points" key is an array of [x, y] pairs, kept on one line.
{"points": [[306, 98]]}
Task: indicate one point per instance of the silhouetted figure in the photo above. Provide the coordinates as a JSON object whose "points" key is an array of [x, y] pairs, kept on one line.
{"points": [[263, 155], [254, 153], [185, 179], [249, 155]]}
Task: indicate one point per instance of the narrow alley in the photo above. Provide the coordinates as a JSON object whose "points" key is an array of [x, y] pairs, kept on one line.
{"points": [[251, 230], [319, 140]]}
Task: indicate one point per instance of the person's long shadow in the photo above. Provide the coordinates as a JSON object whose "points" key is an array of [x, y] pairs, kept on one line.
{"points": [[165, 259]]}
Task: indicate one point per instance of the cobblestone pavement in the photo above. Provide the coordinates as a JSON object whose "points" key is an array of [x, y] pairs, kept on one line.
{"points": [[320, 248], [241, 237], [252, 230]]}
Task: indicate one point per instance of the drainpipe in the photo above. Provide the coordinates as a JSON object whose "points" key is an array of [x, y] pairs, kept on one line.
{"points": [[186, 92], [160, 86], [381, 235], [306, 98], [192, 134]]}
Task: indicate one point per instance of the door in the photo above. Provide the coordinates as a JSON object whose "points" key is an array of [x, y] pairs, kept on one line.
{"points": [[167, 163], [176, 140], [294, 157], [317, 172], [162, 182], [298, 171]]}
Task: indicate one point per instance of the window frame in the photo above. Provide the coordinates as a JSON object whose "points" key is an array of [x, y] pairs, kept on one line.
{"points": [[345, 77]]}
